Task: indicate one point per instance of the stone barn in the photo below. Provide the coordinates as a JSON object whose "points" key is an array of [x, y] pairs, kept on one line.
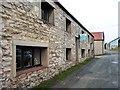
{"points": [[98, 42], [37, 41]]}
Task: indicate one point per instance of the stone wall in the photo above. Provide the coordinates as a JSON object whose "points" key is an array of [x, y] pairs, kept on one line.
{"points": [[22, 21], [99, 47]]}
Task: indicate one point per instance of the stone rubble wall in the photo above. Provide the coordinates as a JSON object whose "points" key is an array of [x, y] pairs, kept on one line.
{"points": [[99, 47], [20, 22]]}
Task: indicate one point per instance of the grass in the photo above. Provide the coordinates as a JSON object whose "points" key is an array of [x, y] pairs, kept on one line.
{"points": [[49, 83], [103, 54], [116, 49]]}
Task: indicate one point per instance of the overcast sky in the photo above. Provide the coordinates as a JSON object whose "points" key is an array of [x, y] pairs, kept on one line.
{"points": [[95, 15]]}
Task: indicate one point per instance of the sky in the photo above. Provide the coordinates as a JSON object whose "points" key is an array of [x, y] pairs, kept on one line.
{"points": [[96, 15]]}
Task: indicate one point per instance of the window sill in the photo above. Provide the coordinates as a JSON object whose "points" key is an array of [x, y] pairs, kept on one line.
{"points": [[68, 32], [29, 70], [69, 61], [48, 23]]}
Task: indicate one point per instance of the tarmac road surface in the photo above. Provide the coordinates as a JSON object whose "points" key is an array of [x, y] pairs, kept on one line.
{"points": [[102, 72]]}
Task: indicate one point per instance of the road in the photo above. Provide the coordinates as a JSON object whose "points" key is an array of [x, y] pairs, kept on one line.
{"points": [[102, 72]]}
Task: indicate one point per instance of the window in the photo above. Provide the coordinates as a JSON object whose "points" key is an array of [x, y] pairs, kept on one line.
{"points": [[88, 38], [82, 32], [27, 57], [91, 45], [89, 53], [83, 53], [68, 54], [79, 41], [68, 25], [47, 12]]}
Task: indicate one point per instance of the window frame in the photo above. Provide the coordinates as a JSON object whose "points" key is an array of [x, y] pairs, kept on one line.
{"points": [[82, 32], [68, 25], [23, 48], [83, 53], [47, 9], [68, 54]]}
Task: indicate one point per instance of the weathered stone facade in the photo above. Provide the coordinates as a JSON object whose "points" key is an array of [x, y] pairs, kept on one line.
{"points": [[21, 24], [99, 47], [98, 42]]}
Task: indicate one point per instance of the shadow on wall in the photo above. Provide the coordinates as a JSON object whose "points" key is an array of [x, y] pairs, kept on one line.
{"points": [[119, 43]]}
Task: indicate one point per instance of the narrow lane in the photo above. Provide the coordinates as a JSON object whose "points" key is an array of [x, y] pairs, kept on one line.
{"points": [[102, 72]]}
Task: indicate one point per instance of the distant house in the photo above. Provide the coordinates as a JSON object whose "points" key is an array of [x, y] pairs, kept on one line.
{"points": [[98, 42]]}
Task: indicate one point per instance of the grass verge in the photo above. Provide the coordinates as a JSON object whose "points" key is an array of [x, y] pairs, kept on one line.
{"points": [[116, 49], [103, 54], [49, 83]]}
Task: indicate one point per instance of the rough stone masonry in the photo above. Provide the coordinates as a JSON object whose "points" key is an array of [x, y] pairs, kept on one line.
{"points": [[21, 24]]}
